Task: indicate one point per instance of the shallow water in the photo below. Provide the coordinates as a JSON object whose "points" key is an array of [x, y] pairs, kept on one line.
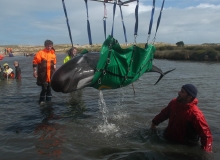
{"points": [[73, 126]]}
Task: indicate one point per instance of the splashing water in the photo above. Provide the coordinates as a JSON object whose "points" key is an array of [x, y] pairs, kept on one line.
{"points": [[106, 127], [119, 108], [121, 99]]}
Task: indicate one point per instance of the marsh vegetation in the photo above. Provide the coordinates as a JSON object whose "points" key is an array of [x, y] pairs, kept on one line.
{"points": [[204, 52]]}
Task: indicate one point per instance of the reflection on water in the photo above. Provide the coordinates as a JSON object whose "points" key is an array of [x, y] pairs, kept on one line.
{"points": [[77, 126], [49, 134], [119, 112], [75, 104]]}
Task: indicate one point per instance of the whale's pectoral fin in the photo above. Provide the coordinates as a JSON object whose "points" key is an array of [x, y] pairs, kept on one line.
{"points": [[161, 75]]}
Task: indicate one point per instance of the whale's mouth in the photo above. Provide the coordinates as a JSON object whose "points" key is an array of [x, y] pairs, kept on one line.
{"points": [[62, 82], [57, 85], [70, 82]]}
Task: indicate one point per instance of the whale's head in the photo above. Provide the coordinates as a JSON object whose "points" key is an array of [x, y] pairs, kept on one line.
{"points": [[75, 74]]}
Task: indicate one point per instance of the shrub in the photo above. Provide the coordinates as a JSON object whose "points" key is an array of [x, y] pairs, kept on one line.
{"points": [[198, 55], [180, 44], [217, 48]]}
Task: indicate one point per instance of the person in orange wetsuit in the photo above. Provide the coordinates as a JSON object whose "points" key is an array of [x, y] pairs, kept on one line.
{"points": [[186, 121], [44, 64]]}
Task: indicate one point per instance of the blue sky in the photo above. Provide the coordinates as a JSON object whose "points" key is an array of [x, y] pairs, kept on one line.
{"points": [[31, 22]]}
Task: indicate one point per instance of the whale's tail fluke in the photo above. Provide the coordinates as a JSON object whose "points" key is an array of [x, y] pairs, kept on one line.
{"points": [[158, 70]]}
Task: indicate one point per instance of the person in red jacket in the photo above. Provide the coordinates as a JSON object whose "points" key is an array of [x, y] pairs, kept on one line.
{"points": [[186, 121], [44, 65]]}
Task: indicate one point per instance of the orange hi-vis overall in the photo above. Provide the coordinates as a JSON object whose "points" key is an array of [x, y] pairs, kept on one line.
{"points": [[45, 61]]}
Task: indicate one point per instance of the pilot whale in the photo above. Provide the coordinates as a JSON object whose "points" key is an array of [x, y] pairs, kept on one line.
{"points": [[79, 72]]}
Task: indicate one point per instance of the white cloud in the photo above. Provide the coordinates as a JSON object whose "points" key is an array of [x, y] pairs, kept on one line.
{"points": [[210, 6], [31, 22]]}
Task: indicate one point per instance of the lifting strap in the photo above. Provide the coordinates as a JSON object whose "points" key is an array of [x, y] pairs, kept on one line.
{"points": [[151, 21], [158, 21], [68, 26], [114, 8], [136, 21], [123, 25], [88, 24], [104, 19]]}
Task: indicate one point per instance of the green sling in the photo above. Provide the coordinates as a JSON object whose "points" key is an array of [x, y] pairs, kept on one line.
{"points": [[119, 67]]}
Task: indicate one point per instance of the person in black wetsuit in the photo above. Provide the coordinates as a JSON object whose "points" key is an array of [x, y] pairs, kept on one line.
{"points": [[17, 70], [1, 73]]}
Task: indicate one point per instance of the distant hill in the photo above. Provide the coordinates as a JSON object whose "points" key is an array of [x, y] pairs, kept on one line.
{"points": [[211, 44]]}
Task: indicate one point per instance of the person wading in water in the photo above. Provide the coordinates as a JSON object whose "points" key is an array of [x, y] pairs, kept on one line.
{"points": [[44, 65]]}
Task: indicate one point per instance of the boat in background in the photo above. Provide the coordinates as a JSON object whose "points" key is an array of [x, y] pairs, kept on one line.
{"points": [[1, 57]]}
